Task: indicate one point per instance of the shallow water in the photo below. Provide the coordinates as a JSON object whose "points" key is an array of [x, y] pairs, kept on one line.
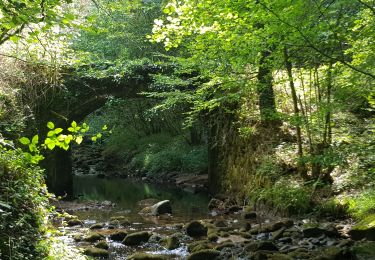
{"points": [[127, 194]]}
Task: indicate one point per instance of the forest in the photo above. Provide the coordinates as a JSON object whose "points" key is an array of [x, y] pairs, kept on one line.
{"points": [[186, 129]]}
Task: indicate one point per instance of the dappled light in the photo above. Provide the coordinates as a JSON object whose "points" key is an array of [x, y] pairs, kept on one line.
{"points": [[166, 129]]}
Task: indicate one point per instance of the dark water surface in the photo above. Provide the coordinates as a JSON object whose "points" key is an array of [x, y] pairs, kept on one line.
{"points": [[127, 193]]}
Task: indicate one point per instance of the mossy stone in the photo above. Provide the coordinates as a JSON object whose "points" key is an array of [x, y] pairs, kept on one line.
{"points": [[144, 256], [207, 254], [102, 244], [93, 237], [137, 238], [96, 252]]}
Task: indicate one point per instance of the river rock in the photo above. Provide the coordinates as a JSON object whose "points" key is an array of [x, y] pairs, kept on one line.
{"points": [[97, 226], [102, 244], [172, 243], [206, 254], [119, 221], [198, 246], [136, 238], [162, 207], [93, 237], [224, 245], [196, 229], [144, 256], [263, 245], [74, 222], [96, 252], [313, 232], [118, 235]]}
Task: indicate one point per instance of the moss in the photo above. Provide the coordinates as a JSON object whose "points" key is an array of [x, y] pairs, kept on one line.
{"points": [[367, 222], [96, 252], [206, 254]]}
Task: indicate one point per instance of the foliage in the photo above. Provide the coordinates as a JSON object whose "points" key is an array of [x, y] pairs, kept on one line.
{"points": [[16, 17], [115, 33], [147, 140], [362, 205], [56, 138], [23, 207], [285, 197]]}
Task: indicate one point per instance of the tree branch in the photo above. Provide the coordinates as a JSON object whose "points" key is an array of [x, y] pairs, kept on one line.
{"points": [[312, 46]]}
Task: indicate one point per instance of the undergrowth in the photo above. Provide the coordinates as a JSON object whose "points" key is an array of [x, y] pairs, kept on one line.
{"points": [[23, 207]]}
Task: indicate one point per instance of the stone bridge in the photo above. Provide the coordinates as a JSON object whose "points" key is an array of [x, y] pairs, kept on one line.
{"points": [[80, 96]]}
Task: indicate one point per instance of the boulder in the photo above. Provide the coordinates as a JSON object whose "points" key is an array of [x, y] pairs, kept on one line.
{"points": [[144, 256], [102, 244], [97, 226], [74, 222], [263, 245], [196, 229], [96, 252], [93, 237], [172, 243], [118, 235], [313, 231], [206, 254], [137, 238], [198, 246], [162, 207]]}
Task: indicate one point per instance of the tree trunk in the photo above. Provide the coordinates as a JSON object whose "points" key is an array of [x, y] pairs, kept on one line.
{"points": [[288, 64], [265, 91]]}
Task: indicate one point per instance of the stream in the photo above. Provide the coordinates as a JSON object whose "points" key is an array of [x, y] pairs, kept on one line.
{"points": [[99, 200], [108, 208]]}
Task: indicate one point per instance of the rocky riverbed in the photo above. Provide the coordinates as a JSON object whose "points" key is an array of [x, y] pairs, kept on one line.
{"points": [[225, 231]]}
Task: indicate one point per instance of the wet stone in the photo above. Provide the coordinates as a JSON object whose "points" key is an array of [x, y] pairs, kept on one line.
{"points": [[102, 244], [144, 256], [118, 236], [208, 254], [93, 237], [96, 252], [97, 226], [196, 229], [136, 238], [74, 222]]}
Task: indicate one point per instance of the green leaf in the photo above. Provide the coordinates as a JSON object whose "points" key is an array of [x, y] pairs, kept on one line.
{"points": [[24, 140], [50, 125], [94, 138], [104, 127], [58, 130], [74, 124], [51, 145], [35, 139], [79, 139]]}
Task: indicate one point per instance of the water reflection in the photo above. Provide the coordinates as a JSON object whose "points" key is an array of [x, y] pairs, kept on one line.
{"points": [[126, 194]]}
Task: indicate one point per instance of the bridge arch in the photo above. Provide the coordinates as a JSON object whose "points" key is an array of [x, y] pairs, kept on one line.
{"points": [[80, 97]]}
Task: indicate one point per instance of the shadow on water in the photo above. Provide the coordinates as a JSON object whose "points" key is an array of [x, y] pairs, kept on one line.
{"points": [[127, 193]]}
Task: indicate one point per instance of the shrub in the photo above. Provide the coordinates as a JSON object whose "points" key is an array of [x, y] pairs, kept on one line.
{"points": [[23, 207], [285, 197]]}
